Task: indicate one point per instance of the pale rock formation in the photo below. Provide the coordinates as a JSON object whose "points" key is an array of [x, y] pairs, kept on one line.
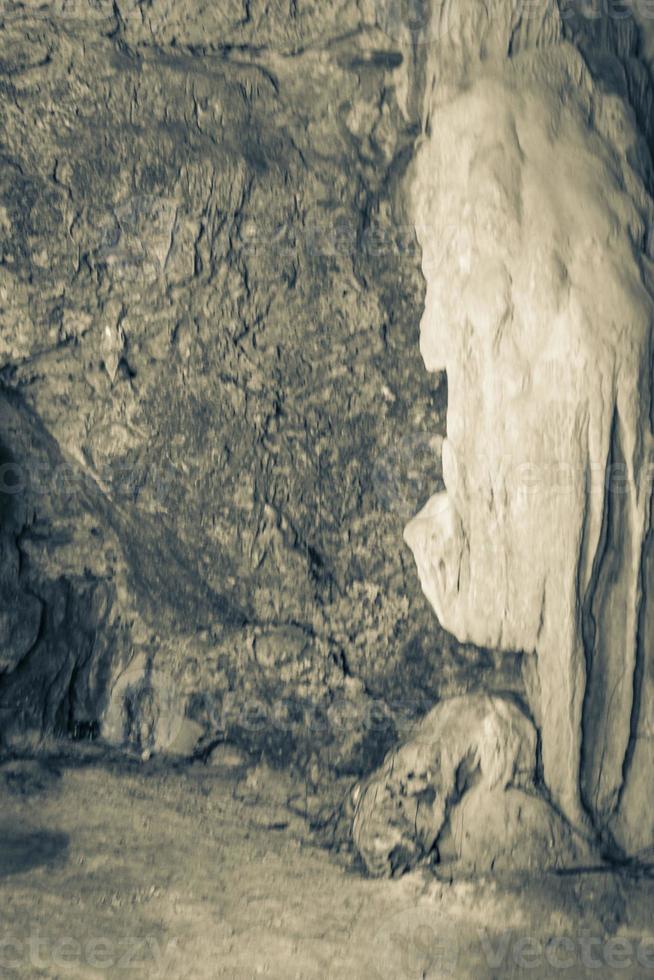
{"points": [[531, 203], [537, 309], [464, 790]]}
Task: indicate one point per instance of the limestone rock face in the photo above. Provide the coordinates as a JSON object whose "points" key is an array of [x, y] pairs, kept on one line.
{"points": [[213, 423], [210, 400], [531, 196], [463, 789]]}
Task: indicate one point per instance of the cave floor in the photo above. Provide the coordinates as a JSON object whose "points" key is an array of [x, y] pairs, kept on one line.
{"points": [[110, 868]]}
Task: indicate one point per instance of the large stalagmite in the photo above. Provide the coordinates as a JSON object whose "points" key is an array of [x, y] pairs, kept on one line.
{"points": [[530, 197]]}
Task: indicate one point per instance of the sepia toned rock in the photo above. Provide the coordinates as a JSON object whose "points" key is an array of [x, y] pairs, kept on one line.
{"points": [[464, 791], [533, 213], [200, 314], [326, 457], [221, 226]]}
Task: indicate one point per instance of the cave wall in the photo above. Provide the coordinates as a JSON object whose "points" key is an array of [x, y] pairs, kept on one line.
{"points": [[215, 422], [214, 419]]}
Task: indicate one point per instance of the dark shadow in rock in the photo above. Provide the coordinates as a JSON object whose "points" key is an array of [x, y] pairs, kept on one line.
{"points": [[11, 483], [22, 850]]}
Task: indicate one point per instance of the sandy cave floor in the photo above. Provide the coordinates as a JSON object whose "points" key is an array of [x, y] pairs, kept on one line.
{"points": [[117, 868]]}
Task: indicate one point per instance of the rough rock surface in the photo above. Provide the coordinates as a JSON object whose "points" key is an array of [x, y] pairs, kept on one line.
{"points": [[464, 791], [213, 420], [532, 195]]}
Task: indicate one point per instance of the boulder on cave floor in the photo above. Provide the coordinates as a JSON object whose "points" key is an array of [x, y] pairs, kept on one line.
{"points": [[464, 793]]}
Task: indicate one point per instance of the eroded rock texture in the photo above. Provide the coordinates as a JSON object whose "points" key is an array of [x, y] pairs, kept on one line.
{"points": [[213, 420], [211, 402], [532, 195], [463, 791]]}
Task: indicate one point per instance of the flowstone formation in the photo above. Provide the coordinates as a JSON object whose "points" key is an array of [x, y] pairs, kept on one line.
{"points": [[531, 194]]}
